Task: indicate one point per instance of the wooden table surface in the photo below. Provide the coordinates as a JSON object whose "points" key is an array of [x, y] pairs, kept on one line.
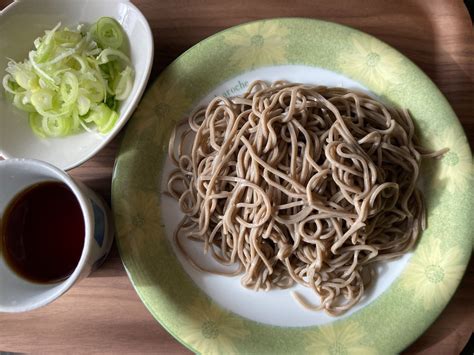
{"points": [[104, 314]]}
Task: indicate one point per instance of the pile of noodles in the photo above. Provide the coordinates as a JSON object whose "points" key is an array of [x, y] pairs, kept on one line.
{"points": [[297, 183]]}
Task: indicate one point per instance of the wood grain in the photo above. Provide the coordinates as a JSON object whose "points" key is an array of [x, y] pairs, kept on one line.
{"points": [[103, 314]]}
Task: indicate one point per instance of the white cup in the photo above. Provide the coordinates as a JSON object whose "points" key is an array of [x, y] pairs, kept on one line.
{"points": [[18, 294]]}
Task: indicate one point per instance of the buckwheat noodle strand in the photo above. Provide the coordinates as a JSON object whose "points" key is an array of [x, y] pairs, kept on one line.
{"points": [[299, 184]]}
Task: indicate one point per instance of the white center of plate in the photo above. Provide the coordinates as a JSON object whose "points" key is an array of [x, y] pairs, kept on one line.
{"points": [[276, 307]]}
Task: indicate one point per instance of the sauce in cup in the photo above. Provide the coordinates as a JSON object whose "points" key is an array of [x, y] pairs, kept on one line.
{"points": [[43, 232]]}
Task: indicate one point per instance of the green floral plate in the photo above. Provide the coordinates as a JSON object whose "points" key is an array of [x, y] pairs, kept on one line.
{"points": [[196, 309]]}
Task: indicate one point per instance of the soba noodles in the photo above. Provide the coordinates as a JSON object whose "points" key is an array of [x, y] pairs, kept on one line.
{"points": [[299, 184]]}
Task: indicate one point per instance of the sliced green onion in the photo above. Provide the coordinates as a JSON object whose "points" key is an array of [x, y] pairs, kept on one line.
{"points": [[38, 70], [42, 100], [124, 84], [36, 123], [98, 114], [82, 63], [24, 77], [69, 88], [10, 85], [108, 33], [72, 80], [56, 127], [57, 59], [103, 117], [67, 38], [45, 46], [107, 126], [22, 102], [109, 54], [44, 51], [76, 121], [83, 105], [112, 103], [93, 90]]}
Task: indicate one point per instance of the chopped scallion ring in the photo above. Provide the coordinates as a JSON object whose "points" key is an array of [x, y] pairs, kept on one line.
{"points": [[108, 33]]}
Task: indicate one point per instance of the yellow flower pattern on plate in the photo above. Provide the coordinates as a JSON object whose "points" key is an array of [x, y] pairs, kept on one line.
{"points": [[342, 338], [257, 44], [456, 166], [211, 329], [372, 62], [136, 223], [433, 273], [167, 109]]}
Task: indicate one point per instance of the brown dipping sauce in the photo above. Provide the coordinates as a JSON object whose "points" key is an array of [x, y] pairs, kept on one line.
{"points": [[42, 233]]}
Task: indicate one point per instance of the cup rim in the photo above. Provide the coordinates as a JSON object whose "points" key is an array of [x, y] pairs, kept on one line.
{"points": [[87, 212]]}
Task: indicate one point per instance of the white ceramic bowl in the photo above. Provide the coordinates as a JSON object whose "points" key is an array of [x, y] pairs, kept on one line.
{"points": [[22, 22]]}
